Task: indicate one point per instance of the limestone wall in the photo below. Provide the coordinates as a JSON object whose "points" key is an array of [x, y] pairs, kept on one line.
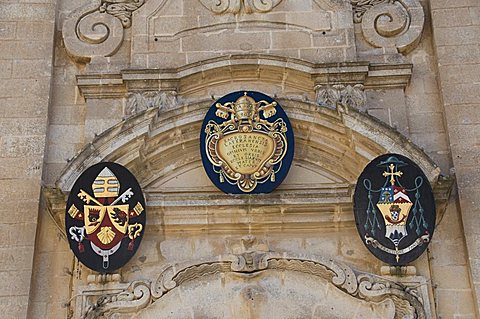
{"points": [[138, 95], [26, 54], [456, 41]]}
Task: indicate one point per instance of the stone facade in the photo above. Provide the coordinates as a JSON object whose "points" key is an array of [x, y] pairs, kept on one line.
{"points": [[131, 80], [26, 55]]}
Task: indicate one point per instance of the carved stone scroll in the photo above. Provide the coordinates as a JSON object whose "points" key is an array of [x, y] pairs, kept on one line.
{"points": [[390, 23], [236, 6], [136, 296], [121, 9], [96, 29], [367, 287]]}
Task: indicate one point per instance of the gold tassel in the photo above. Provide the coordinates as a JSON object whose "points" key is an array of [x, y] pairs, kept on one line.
{"points": [[272, 177], [221, 178]]}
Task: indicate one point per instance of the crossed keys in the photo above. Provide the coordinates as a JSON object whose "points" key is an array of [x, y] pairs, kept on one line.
{"points": [[84, 196]]}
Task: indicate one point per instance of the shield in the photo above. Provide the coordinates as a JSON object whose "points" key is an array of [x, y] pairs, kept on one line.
{"points": [[394, 205], [394, 209], [246, 143], [118, 215], [93, 217], [106, 225], [105, 217]]}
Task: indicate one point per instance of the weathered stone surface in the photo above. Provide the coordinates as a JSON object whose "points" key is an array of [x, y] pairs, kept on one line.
{"points": [[27, 11], [13, 307], [26, 39], [7, 30], [273, 30], [400, 31], [109, 98], [456, 46]]}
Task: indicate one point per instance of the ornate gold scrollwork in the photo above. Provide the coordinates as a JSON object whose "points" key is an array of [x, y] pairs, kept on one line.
{"points": [[246, 147]]}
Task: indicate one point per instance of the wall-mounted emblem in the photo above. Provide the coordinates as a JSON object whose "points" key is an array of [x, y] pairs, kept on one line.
{"points": [[394, 209], [105, 217], [246, 143]]}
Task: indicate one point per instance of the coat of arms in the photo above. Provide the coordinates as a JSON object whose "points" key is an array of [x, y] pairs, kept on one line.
{"points": [[105, 217], [247, 143], [394, 209]]}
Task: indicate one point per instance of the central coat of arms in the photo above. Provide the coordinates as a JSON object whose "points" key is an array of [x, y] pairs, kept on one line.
{"points": [[247, 144]]}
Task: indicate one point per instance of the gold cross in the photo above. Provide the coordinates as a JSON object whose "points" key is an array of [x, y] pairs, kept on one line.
{"points": [[392, 174]]}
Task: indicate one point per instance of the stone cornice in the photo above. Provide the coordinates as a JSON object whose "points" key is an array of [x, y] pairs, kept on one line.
{"points": [[296, 73], [295, 210], [101, 85]]}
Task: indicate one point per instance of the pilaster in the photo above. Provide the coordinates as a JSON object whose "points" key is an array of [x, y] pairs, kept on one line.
{"points": [[26, 42]]}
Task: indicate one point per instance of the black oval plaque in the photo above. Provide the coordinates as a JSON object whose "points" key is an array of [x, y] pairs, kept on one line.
{"points": [[105, 217], [246, 143], [394, 209]]}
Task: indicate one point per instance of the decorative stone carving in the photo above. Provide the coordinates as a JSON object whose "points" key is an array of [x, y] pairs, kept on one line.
{"points": [[135, 296], [250, 254], [103, 278], [140, 101], [96, 29], [122, 9], [340, 95], [236, 6], [370, 288], [390, 23], [361, 6]]}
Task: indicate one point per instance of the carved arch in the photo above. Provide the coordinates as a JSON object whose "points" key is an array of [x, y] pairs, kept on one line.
{"points": [[340, 143], [249, 267], [161, 148]]}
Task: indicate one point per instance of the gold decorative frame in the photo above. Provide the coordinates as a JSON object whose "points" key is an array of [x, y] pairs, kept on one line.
{"points": [[244, 148]]}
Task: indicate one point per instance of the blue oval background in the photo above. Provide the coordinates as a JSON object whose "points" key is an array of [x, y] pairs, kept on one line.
{"points": [[268, 186]]}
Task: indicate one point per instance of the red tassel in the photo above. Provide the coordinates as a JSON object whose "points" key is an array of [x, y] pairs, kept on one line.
{"points": [[131, 245], [81, 248]]}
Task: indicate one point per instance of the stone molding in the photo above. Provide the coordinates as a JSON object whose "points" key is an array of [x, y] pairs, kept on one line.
{"points": [[96, 29], [139, 294], [294, 215], [296, 73], [388, 24], [237, 6]]}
